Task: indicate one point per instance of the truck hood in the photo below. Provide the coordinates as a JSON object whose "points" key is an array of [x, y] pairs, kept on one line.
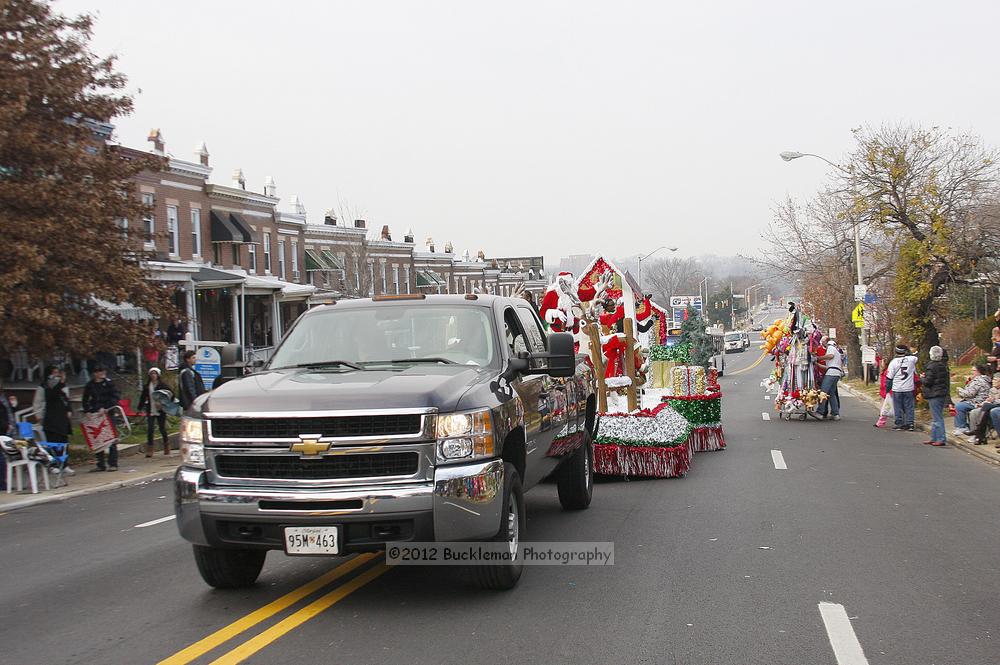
{"points": [[324, 390]]}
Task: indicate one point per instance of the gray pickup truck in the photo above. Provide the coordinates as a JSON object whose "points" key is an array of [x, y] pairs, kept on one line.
{"points": [[386, 420]]}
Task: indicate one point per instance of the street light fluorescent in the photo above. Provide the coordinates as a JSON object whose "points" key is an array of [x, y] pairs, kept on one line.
{"points": [[789, 155]]}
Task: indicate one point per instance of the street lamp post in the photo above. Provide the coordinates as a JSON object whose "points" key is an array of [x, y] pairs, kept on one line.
{"points": [[643, 258], [746, 301], [789, 156]]}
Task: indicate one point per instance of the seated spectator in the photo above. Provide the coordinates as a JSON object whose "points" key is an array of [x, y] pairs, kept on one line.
{"points": [[972, 395], [986, 413], [994, 358]]}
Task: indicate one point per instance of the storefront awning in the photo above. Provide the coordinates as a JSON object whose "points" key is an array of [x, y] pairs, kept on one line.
{"points": [[241, 224], [313, 262], [223, 229], [125, 310], [330, 260], [429, 278], [209, 278]]}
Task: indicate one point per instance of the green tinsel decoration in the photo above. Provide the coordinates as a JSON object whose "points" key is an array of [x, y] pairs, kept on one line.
{"points": [[699, 411], [677, 353]]}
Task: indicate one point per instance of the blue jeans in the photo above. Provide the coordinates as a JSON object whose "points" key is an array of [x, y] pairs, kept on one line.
{"points": [[937, 418], [995, 419], [902, 405], [829, 386], [962, 410]]}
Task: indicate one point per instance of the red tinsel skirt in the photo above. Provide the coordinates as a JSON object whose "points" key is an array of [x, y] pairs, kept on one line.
{"points": [[705, 438], [642, 461]]}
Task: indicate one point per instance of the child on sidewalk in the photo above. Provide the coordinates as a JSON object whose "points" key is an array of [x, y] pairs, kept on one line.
{"points": [[886, 411]]}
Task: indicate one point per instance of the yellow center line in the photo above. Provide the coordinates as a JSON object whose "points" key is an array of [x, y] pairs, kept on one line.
{"points": [[293, 621], [249, 621], [747, 369]]}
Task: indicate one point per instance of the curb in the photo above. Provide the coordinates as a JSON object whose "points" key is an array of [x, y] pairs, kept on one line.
{"points": [[84, 491], [957, 443]]}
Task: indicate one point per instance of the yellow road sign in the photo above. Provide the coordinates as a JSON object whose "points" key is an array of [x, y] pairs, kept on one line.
{"points": [[858, 315]]}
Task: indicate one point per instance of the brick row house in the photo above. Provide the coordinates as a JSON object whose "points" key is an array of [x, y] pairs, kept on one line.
{"points": [[243, 266]]}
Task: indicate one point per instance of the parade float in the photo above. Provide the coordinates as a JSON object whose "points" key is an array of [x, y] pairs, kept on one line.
{"points": [[794, 346], [655, 409]]}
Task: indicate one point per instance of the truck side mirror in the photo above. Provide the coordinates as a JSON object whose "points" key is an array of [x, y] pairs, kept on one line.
{"points": [[562, 355]]}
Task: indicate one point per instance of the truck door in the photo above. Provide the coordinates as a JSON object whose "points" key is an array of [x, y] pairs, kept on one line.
{"points": [[553, 404]]}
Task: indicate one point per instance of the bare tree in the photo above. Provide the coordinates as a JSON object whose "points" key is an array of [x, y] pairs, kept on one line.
{"points": [[670, 276]]}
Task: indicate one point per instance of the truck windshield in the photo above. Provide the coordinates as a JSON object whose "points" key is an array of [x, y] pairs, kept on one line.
{"points": [[390, 335], [734, 337]]}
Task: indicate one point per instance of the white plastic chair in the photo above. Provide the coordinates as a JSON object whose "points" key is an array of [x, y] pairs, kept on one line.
{"points": [[18, 466]]}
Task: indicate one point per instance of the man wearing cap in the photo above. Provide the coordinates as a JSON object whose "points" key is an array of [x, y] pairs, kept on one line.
{"points": [[834, 363], [99, 395], [901, 372]]}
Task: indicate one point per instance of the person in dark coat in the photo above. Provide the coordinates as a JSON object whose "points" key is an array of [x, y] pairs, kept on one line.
{"points": [[58, 412], [99, 395], [191, 382], [8, 404], [936, 389], [155, 415]]}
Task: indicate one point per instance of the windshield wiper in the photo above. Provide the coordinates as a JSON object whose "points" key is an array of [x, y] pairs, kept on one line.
{"points": [[443, 361], [329, 363]]}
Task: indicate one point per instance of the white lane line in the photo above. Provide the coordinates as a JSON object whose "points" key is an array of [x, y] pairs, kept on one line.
{"points": [[845, 643], [765, 415], [778, 459], [155, 522]]}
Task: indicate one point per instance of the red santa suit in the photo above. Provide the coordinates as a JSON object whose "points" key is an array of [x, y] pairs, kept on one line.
{"points": [[557, 306]]}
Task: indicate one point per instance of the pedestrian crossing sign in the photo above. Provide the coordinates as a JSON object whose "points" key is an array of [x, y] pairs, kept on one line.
{"points": [[858, 315]]}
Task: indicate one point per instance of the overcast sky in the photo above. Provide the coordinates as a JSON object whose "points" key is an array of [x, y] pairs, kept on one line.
{"points": [[546, 127]]}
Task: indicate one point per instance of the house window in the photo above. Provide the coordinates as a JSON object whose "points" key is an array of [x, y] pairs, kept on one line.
{"points": [[465, 284], [123, 227], [281, 259], [295, 257], [236, 255], [384, 290], [406, 279], [196, 231], [371, 279], [253, 257], [395, 279], [148, 219], [267, 253], [217, 253], [173, 239]]}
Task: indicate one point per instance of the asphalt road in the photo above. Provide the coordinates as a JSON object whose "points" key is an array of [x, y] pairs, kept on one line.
{"points": [[728, 565]]}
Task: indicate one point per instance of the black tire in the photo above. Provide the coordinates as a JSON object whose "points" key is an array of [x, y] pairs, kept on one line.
{"points": [[228, 568], [505, 576], [576, 477]]}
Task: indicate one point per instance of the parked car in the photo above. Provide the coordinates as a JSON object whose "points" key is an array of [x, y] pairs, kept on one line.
{"points": [[386, 420]]}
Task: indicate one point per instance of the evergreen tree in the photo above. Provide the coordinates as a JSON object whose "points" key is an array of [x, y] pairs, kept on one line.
{"points": [[693, 333], [64, 192]]}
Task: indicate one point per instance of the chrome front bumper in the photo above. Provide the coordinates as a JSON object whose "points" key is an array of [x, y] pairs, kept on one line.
{"points": [[462, 503]]}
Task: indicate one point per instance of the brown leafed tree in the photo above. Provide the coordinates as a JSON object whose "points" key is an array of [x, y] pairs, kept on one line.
{"points": [[64, 191]]}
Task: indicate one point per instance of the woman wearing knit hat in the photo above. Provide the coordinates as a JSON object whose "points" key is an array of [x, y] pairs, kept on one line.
{"points": [[155, 415]]}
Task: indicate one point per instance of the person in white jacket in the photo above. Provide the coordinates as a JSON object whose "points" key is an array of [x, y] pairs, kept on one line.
{"points": [[901, 372], [972, 395]]}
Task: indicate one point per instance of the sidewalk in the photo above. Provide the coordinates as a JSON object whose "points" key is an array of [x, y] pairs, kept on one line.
{"points": [[132, 470], [986, 453]]}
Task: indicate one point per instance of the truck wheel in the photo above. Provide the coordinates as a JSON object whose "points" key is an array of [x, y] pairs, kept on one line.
{"points": [[505, 576], [228, 568], [576, 478]]}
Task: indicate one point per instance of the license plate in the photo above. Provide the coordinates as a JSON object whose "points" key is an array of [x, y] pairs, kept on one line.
{"points": [[312, 540]]}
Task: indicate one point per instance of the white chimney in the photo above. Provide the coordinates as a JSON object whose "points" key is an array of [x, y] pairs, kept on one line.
{"points": [[297, 207], [430, 244], [449, 248], [239, 181], [270, 187]]}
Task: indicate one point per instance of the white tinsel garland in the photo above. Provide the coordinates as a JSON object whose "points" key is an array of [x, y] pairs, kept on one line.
{"points": [[667, 427]]}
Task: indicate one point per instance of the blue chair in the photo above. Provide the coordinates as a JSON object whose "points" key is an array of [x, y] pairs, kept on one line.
{"points": [[58, 452]]}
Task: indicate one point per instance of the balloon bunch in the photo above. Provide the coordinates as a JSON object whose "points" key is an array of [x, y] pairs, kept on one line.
{"points": [[774, 334]]}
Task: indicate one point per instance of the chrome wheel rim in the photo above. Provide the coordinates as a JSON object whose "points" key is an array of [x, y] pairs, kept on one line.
{"points": [[512, 527]]}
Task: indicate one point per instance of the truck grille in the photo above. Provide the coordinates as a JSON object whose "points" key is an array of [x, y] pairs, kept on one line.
{"points": [[337, 426], [287, 467]]}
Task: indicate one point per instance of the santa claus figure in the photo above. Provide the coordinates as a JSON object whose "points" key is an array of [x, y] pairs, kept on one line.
{"points": [[558, 303]]}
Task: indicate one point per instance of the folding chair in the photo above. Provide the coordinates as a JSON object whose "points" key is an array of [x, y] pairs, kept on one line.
{"points": [[57, 459], [18, 460]]}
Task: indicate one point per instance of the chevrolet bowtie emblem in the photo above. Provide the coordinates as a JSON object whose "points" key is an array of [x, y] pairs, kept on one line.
{"points": [[310, 447]]}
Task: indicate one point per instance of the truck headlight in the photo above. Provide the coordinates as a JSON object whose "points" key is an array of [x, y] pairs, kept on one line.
{"points": [[464, 436], [192, 438]]}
